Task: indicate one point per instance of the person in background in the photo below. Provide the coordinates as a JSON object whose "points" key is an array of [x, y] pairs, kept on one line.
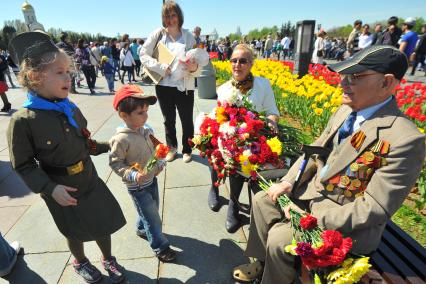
{"points": [[69, 49], [318, 53], [377, 35], [134, 47], [115, 53], [392, 34], [353, 39], [420, 52], [3, 85], [106, 49], [366, 38], [408, 40], [8, 256], [127, 62], [82, 54], [96, 54], [197, 32], [268, 47], [107, 67]]}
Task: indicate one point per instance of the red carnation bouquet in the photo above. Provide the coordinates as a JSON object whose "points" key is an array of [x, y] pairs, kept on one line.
{"points": [[235, 137], [324, 252], [160, 154]]}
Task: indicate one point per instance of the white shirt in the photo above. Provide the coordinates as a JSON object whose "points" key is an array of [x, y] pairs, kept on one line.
{"points": [[262, 97], [285, 42], [365, 41]]}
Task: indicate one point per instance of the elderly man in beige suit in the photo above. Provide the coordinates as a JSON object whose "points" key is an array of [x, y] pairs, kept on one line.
{"points": [[376, 156]]}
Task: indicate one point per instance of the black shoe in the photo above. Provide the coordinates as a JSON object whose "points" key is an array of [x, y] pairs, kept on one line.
{"points": [[213, 199], [73, 91], [122, 81], [88, 271], [141, 235], [232, 223], [6, 107], [115, 270], [167, 255]]}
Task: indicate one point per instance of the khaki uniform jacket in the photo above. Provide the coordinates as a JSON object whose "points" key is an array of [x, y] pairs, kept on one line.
{"points": [[363, 218], [45, 137]]}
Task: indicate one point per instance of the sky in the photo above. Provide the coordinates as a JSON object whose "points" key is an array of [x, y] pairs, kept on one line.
{"points": [[140, 17]]}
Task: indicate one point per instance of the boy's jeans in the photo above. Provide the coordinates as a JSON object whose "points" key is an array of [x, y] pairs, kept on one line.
{"points": [[7, 254], [110, 81], [147, 203]]}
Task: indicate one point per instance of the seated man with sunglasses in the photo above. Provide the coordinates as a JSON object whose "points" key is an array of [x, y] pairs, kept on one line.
{"points": [[376, 156]]}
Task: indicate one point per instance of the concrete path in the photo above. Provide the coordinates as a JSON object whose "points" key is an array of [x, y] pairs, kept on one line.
{"points": [[208, 252]]}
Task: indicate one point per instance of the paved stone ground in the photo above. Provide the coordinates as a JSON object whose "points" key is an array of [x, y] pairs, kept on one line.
{"points": [[208, 252]]}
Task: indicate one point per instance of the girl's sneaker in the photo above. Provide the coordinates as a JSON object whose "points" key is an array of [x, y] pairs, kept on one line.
{"points": [[115, 270], [88, 271]]}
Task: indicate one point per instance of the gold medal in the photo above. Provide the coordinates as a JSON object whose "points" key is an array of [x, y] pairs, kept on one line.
{"points": [[355, 183], [369, 156], [344, 180], [354, 167], [329, 187], [384, 162], [347, 193]]}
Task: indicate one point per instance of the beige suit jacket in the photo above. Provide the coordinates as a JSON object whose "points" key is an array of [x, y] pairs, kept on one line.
{"points": [[363, 218]]}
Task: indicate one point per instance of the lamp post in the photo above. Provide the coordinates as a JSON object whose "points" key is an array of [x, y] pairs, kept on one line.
{"points": [[304, 45]]}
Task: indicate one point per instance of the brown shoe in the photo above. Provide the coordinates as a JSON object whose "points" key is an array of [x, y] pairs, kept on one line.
{"points": [[248, 272]]}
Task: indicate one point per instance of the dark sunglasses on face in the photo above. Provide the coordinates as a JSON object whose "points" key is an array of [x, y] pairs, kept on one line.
{"points": [[241, 61]]}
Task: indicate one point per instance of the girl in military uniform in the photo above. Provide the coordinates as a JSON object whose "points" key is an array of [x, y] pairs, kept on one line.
{"points": [[50, 149]]}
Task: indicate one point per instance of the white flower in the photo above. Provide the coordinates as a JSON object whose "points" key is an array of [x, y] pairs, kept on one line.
{"points": [[198, 121], [247, 153], [229, 97], [227, 130]]}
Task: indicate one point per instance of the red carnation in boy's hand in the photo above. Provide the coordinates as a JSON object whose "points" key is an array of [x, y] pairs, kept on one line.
{"points": [[308, 222]]}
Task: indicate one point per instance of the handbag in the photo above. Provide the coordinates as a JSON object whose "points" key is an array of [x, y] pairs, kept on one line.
{"points": [[320, 53], [3, 87]]}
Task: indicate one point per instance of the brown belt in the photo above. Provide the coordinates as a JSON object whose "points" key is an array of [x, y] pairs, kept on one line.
{"points": [[64, 171]]}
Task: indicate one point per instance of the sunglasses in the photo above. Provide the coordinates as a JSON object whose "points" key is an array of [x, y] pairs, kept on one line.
{"points": [[353, 78], [241, 61]]}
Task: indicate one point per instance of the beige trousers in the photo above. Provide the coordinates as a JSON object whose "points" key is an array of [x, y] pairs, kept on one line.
{"points": [[267, 238]]}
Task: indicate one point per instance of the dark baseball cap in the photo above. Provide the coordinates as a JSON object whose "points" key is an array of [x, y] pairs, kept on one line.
{"points": [[384, 59]]}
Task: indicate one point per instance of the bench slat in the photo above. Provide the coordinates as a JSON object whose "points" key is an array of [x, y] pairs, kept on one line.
{"points": [[386, 269], [409, 257], [414, 246], [399, 264]]}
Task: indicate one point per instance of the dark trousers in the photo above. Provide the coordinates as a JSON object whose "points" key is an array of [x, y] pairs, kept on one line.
{"points": [[138, 66], [90, 74], [420, 58], [170, 99]]}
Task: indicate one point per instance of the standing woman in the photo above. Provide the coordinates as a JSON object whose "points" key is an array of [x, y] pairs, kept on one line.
{"points": [[318, 54], [127, 62], [173, 94], [82, 54]]}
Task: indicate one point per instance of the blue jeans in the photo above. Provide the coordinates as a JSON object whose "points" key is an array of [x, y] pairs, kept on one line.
{"points": [[116, 63], [110, 81], [7, 254], [147, 203]]}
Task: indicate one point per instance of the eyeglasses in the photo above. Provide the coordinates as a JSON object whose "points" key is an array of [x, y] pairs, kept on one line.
{"points": [[170, 16], [353, 78], [241, 61]]}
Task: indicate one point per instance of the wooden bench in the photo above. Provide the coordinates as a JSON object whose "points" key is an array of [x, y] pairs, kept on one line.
{"points": [[398, 259]]}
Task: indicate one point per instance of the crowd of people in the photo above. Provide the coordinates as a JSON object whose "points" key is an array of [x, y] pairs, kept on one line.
{"points": [[55, 162], [361, 37]]}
